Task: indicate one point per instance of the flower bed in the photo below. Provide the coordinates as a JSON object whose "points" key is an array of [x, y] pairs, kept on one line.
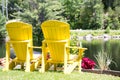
{"points": [[98, 71]]}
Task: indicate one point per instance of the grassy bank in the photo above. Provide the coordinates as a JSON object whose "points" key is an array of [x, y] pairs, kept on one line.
{"points": [[21, 75], [95, 32]]}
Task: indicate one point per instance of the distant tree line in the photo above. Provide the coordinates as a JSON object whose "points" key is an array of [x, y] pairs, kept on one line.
{"points": [[80, 14]]}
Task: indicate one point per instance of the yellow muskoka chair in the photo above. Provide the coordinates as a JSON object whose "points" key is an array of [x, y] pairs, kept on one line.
{"points": [[20, 35], [56, 44]]}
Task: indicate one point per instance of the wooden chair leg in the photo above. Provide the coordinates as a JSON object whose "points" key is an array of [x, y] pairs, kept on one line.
{"points": [[43, 64], [32, 66], [37, 64], [27, 69], [65, 68], [55, 67], [47, 66], [71, 67], [12, 65], [7, 57], [79, 66], [22, 65]]}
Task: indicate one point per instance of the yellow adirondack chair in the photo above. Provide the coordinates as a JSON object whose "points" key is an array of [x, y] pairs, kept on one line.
{"points": [[20, 35], [56, 43]]}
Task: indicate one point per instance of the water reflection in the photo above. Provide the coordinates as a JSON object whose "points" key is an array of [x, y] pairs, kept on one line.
{"points": [[2, 49], [112, 47]]}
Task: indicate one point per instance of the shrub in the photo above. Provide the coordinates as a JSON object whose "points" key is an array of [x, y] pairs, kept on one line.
{"points": [[107, 30], [2, 23], [87, 63]]}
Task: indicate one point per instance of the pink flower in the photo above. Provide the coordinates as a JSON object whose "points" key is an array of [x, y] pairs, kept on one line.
{"points": [[87, 63]]}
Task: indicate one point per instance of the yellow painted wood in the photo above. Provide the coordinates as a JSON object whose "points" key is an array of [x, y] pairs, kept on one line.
{"points": [[7, 56], [20, 35], [55, 30], [56, 43]]}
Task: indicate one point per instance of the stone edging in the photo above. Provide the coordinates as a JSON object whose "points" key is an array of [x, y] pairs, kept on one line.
{"points": [[98, 71]]}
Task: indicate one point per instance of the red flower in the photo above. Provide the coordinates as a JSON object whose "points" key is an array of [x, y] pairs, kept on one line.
{"points": [[87, 63], [48, 56]]}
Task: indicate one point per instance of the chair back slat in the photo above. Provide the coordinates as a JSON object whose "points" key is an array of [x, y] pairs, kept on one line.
{"points": [[57, 35], [20, 31], [55, 30]]}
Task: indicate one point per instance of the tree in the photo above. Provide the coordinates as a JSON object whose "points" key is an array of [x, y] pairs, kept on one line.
{"points": [[72, 10], [92, 14], [2, 25], [108, 4], [80, 14], [111, 20], [13, 6]]}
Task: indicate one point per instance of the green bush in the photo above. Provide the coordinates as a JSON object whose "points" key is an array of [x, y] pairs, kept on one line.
{"points": [[107, 30], [2, 26], [94, 32]]}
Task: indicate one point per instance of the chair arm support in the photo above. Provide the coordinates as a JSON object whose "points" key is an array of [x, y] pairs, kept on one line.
{"points": [[81, 52], [35, 47], [25, 41]]}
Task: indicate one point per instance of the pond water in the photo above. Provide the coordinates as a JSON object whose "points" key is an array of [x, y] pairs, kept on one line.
{"points": [[112, 47], [2, 49]]}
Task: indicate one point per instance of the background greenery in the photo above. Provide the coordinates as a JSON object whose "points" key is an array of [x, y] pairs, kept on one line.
{"points": [[80, 14], [94, 32]]}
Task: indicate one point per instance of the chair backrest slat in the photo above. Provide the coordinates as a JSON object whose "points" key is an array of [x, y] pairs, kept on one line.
{"points": [[55, 30], [19, 31], [57, 35]]}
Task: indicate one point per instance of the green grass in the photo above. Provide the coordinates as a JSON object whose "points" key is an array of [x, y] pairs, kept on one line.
{"points": [[94, 32], [21, 75]]}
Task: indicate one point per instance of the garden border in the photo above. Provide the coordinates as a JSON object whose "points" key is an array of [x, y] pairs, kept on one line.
{"points": [[98, 71]]}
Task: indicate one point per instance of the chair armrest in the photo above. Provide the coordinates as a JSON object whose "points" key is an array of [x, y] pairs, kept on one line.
{"points": [[80, 51], [74, 47]]}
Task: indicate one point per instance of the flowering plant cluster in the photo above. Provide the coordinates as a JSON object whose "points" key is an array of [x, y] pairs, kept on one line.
{"points": [[2, 61], [88, 63]]}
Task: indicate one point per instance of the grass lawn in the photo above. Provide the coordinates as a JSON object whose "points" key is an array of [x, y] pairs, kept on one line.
{"points": [[94, 32], [21, 75]]}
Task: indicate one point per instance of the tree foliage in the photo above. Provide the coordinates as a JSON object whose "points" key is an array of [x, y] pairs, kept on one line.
{"points": [[2, 25], [72, 12], [92, 14]]}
